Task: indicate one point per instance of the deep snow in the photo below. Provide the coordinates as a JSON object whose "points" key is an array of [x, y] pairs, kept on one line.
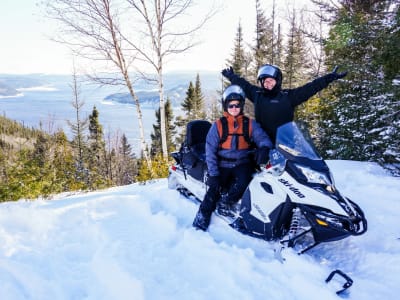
{"points": [[136, 242]]}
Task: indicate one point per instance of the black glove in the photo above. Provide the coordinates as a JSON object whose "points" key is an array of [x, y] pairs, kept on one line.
{"points": [[262, 155], [335, 75], [228, 73], [213, 182]]}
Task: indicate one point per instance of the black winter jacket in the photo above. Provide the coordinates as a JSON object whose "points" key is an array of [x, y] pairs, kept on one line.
{"points": [[272, 109]]}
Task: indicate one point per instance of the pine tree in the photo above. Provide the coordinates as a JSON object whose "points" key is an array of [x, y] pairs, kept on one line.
{"points": [[170, 130], [63, 165], [296, 63], [126, 165], [238, 60], [240, 63], [198, 102], [365, 124], [192, 106], [96, 145], [263, 51], [188, 105]]}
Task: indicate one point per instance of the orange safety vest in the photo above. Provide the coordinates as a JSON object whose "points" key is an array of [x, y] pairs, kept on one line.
{"points": [[226, 132]]}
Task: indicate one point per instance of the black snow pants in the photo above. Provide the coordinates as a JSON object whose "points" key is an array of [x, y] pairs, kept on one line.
{"points": [[233, 182]]}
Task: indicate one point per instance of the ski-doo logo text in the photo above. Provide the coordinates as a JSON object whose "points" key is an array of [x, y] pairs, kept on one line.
{"points": [[260, 212], [292, 188]]}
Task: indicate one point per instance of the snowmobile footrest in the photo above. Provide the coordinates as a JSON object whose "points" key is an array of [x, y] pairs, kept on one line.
{"points": [[346, 285], [308, 248]]}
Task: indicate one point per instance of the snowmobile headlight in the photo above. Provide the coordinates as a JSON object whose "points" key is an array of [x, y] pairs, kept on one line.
{"points": [[321, 222], [314, 176], [326, 221]]}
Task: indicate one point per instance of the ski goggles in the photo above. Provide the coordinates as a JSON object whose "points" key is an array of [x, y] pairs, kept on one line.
{"points": [[234, 106]]}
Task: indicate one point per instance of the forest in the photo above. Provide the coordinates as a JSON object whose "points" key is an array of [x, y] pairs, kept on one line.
{"points": [[357, 118]]}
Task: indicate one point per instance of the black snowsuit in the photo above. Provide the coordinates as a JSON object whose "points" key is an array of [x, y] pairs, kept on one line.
{"points": [[274, 108]]}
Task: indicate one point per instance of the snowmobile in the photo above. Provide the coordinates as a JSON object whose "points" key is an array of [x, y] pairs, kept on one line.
{"points": [[292, 200]]}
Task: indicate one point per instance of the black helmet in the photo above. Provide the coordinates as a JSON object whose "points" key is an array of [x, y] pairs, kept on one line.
{"points": [[233, 92], [270, 71]]}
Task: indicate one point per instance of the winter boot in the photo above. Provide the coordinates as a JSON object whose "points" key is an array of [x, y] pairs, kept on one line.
{"points": [[235, 208], [224, 208], [201, 221]]}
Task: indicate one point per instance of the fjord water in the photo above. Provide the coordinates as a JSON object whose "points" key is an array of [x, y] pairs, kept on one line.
{"points": [[49, 107]]}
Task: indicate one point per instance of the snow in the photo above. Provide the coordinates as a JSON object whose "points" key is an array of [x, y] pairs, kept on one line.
{"points": [[137, 242]]}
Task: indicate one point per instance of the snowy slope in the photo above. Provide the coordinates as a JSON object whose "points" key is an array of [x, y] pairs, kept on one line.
{"points": [[136, 242]]}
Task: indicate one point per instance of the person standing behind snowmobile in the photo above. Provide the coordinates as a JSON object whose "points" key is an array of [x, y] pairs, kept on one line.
{"points": [[229, 145], [272, 105]]}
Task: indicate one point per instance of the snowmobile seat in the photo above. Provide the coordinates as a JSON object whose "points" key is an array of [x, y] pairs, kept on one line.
{"points": [[196, 133], [194, 146], [192, 154]]}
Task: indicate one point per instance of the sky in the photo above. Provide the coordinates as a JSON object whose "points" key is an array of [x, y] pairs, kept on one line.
{"points": [[137, 242], [26, 46]]}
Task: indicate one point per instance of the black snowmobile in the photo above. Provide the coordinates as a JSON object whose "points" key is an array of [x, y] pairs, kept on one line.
{"points": [[292, 200]]}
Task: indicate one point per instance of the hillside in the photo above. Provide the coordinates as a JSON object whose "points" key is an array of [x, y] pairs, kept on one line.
{"points": [[13, 135]]}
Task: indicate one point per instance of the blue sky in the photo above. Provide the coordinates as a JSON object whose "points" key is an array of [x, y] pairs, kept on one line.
{"points": [[26, 47]]}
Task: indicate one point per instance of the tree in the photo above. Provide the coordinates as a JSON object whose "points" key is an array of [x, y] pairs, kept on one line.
{"points": [[92, 30], [63, 168], [263, 51], [166, 39], [127, 166], [96, 145], [366, 123], [296, 63], [78, 129], [240, 63], [198, 103], [187, 104], [171, 131], [101, 31], [238, 59]]}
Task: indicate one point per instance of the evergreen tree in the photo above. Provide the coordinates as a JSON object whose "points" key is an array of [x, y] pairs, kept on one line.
{"points": [[127, 167], [296, 63], [63, 165], [364, 126], [192, 106], [96, 145], [188, 104], [238, 60], [240, 63], [263, 51], [198, 103], [170, 130]]}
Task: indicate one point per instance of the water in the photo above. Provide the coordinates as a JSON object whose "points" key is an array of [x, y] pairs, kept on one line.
{"points": [[50, 107]]}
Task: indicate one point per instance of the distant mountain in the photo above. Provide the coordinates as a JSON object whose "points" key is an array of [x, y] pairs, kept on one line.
{"points": [[175, 87], [9, 84], [150, 98], [6, 90]]}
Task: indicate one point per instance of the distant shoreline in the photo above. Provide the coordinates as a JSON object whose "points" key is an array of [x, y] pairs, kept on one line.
{"points": [[12, 96]]}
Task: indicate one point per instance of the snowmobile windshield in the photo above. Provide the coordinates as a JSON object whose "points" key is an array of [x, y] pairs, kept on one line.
{"points": [[291, 140]]}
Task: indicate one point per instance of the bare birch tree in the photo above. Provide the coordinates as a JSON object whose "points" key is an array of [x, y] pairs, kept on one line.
{"points": [[102, 30], [167, 37], [91, 28]]}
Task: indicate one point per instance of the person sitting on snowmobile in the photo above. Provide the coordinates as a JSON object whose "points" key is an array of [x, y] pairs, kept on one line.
{"points": [[273, 106], [229, 145]]}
